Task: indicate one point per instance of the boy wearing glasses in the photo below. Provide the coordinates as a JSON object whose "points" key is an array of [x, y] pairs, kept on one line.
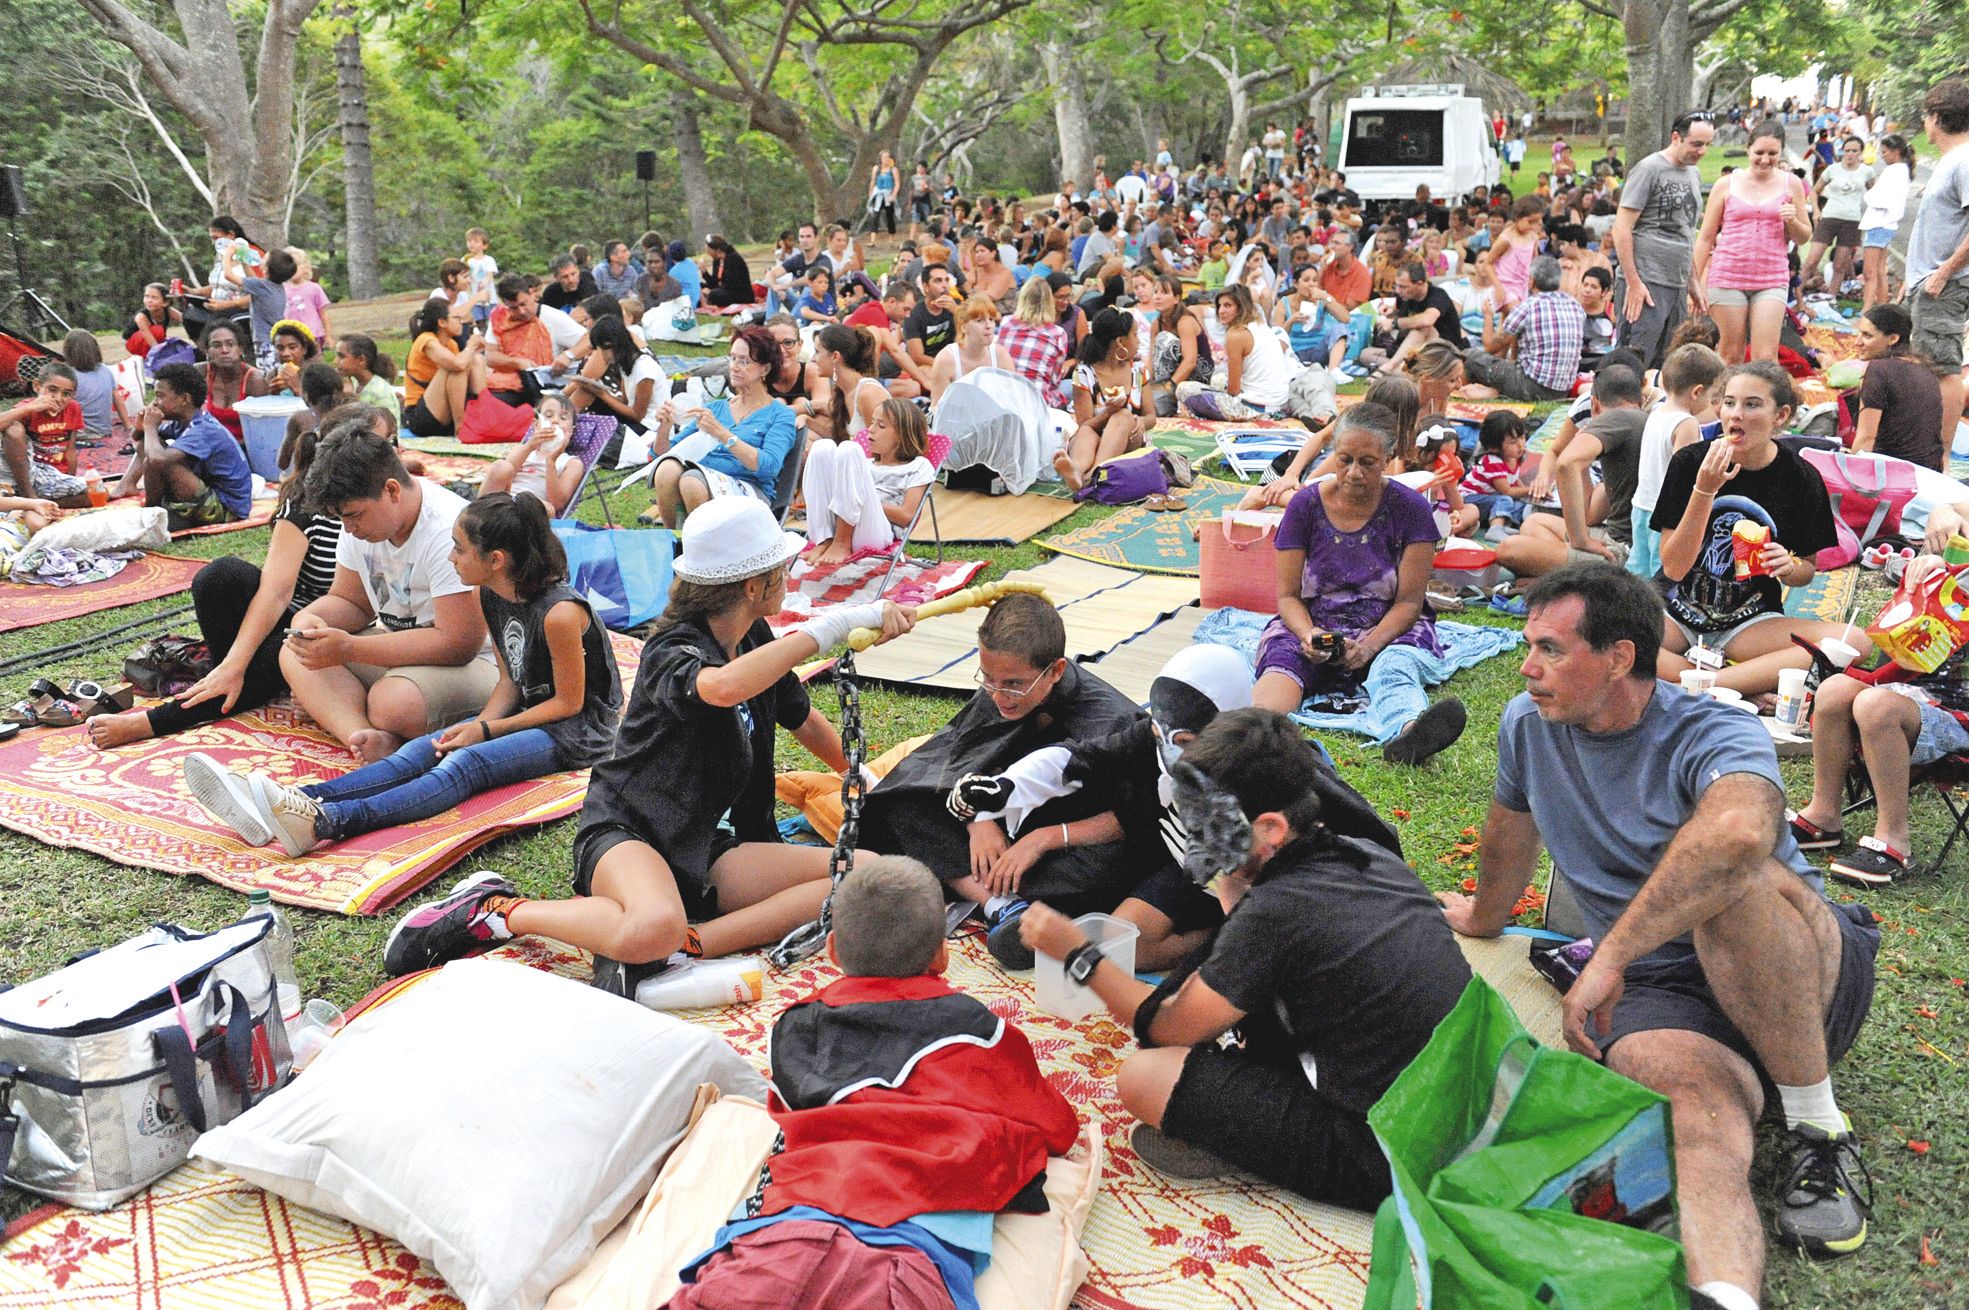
{"points": [[1029, 696]]}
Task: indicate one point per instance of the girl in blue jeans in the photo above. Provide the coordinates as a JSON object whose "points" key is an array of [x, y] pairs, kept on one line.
{"points": [[555, 706]]}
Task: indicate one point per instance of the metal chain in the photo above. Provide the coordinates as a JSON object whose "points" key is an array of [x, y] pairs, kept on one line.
{"points": [[809, 937]]}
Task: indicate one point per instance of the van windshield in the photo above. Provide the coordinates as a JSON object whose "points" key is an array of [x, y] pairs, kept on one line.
{"points": [[1395, 138]]}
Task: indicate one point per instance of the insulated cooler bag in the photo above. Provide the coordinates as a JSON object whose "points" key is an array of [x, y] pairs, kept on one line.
{"points": [[112, 1066], [1239, 562]]}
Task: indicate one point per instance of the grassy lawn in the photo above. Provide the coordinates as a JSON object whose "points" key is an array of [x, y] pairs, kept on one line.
{"points": [[1907, 1080]]}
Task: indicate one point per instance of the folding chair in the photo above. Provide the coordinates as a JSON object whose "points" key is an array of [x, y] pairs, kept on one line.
{"points": [[1250, 451], [591, 433], [1947, 776], [788, 485], [936, 449]]}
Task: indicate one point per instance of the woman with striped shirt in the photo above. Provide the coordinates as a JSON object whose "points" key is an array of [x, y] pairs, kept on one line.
{"points": [[243, 611]]}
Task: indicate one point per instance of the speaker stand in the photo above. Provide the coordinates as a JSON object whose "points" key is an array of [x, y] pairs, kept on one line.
{"points": [[38, 310]]}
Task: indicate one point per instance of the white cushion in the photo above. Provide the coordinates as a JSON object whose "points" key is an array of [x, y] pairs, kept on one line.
{"points": [[496, 1120]]}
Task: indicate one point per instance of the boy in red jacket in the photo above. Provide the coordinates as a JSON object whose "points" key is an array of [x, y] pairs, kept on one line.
{"points": [[909, 1115]]}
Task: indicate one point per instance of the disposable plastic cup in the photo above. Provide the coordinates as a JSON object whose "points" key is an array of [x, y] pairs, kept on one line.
{"points": [[1698, 682], [1728, 695], [1838, 652], [1115, 937]]}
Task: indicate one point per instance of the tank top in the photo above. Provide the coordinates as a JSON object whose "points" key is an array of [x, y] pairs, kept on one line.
{"points": [[1750, 246], [1513, 270], [228, 412], [519, 633], [1264, 378]]}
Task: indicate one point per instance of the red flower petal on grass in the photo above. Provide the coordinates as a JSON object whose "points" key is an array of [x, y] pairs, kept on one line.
{"points": [[1919, 1148]]}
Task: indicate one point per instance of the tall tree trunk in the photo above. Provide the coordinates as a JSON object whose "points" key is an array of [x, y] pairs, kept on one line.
{"points": [[700, 201], [1236, 142], [1651, 79], [1070, 118], [358, 167]]}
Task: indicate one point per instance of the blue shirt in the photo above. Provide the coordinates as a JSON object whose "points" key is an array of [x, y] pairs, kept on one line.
{"points": [[769, 428], [1608, 804], [688, 277], [216, 457]]}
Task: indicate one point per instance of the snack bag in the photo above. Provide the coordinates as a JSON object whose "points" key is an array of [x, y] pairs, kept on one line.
{"points": [[1747, 541], [1922, 629]]}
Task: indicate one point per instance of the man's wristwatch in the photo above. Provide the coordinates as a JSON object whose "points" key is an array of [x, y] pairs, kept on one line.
{"points": [[1081, 962]]}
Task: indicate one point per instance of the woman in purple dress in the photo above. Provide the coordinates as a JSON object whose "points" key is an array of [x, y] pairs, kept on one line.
{"points": [[1354, 556]]}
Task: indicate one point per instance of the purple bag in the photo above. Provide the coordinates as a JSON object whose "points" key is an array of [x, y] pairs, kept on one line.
{"points": [[1125, 480]]}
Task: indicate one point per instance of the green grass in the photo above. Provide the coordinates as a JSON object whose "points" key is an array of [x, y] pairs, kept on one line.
{"points": [[57, 902]]}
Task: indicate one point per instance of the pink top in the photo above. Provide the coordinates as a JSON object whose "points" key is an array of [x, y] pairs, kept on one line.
{"points": [[1513, 270], [304, 305], [1751, 245]]}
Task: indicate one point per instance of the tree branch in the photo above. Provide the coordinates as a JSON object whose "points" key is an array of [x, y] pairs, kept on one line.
{"points": [[1705, 18], [649, 54], [164, 59], [1604, 11]]}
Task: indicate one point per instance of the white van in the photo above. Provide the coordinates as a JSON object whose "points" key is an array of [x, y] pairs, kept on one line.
{"points": [[1401, 137]]}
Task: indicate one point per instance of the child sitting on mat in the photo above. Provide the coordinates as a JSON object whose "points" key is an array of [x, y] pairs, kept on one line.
{"points": [[860, 500], [909, 1115], [554, 707], [696, 747], [1030, 695], [541, 467]]}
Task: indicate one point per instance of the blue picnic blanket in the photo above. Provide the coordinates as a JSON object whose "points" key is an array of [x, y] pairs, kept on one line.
{"points": [[1464, 645]]}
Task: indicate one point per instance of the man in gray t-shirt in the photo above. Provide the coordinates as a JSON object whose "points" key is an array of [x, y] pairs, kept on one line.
{"points": [[1654, 235], [1938, 248], [1716, 961]]}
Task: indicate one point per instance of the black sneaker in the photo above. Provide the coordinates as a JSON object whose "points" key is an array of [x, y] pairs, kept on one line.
{"points": [[620, 979], [1820, 1211], [448, 929], [1004, 941], [1873, 863], [1434, 730]]}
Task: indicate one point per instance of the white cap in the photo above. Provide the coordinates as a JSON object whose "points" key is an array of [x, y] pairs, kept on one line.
{"points": [[731, 539]]}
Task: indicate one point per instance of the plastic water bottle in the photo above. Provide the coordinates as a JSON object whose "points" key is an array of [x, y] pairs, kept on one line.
{"points": [[696, 984], [280, 951], [92, 482]]}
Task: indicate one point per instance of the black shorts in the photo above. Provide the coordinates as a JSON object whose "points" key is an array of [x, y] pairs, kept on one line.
{"points": [[1265, 1118], [422, 423], [1170, 892], [699, 896], [1677, 996]]}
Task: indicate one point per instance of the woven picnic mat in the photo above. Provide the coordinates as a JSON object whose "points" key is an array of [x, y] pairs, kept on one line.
{"points": [[1152, 541], [202, 1240], [1133, 664], [809, 589], [1101, 607], [131, 805], [24, 605], [972, 517], [453, 446], [1827, 598]]}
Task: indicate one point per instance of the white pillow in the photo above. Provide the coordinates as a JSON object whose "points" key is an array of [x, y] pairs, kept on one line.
{"points": [[496, 1120]]}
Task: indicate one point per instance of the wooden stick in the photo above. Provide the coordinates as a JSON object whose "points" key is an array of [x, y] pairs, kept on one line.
{"points": [[970, 597]]}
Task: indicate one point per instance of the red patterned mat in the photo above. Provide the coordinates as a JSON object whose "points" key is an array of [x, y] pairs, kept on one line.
{"points": [[201, 1240], [857, 581], [26, 606], [130, 805]]}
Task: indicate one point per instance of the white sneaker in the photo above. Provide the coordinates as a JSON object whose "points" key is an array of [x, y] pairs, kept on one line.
{"points": [[227, 797], [288, 812]]}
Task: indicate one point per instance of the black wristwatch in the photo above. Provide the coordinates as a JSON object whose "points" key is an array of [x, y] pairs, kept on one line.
{"points": [[1081, 962]]}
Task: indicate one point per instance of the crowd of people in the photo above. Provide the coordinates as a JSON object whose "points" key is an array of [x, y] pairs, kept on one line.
{"points": [[438, 639]]}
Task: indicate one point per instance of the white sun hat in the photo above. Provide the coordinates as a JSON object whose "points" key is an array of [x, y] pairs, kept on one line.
{"points": [[733, 538]]}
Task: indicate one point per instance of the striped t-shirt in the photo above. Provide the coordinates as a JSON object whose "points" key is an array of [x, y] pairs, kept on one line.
{"points": [[318, 565]]}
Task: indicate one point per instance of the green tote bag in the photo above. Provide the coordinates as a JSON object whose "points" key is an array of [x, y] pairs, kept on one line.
{"points": [[1524, 1177]]}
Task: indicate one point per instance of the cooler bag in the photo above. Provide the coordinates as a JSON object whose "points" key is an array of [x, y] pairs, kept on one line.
{"points": [[1524, 1177], [112, 1066]]}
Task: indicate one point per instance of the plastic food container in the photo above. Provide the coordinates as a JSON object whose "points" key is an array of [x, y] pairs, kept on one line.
{"points": [[1115, 937]]}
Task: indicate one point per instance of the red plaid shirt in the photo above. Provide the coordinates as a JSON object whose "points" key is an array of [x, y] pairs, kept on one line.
{"points": [[1039, 353]]}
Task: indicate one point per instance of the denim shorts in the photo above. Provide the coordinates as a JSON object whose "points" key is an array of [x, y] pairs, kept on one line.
{"points": [[1877, 238], [1941, 732]]}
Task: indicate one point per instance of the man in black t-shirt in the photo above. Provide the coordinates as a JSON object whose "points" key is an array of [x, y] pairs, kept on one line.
{"points": [[931, 326], [1424, 312], [1331, 971], [568, 285]]}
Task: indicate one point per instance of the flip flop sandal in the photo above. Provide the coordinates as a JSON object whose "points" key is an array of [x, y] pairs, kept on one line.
{"points": [[1175, 1158], [650, 518], [1174, 503], [45, 707]]}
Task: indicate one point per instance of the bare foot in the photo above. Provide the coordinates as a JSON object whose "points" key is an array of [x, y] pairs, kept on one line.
{"points": [[837, 552], [112, 730], [372, 744], [1063, 465], [412, 464]]}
